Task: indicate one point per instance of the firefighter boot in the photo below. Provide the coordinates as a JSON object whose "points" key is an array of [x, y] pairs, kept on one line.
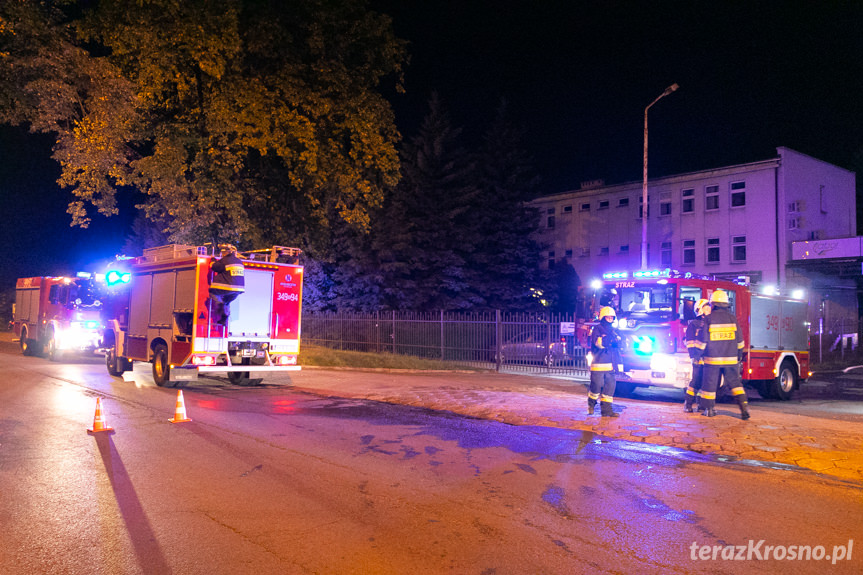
{"points": [[687, 404], [591, 404], [709, 412], [606, 410], [744, 409]]}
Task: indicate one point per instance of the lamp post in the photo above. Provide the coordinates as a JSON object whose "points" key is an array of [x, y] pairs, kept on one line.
{"points": [[667, 91]]}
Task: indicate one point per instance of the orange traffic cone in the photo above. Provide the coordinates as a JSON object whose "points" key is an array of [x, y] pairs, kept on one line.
{"points": [[180, 412], [99, 423]]}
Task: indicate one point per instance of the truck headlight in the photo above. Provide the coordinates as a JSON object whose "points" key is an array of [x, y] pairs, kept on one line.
{"points": [[662, 362]]}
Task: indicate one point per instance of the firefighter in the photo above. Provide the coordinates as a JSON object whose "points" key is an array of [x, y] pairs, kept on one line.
{"points": [[228, 282], [721, 346], [605, 348], [693, 329]]}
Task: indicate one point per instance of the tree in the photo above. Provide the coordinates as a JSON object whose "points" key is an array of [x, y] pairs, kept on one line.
{"points": [[505, 262], [424, 240], [241, 118]]}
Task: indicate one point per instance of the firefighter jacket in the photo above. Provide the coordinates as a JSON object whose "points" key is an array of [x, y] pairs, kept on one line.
{"points": [[720, 342], [605, 347], [693, 329], [229, 275]]}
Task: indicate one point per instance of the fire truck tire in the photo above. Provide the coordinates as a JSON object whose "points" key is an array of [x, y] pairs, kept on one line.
{"points": [[239, 377], [117, 366], [161, 368], [27, 343], [51, 350], [786, 381]]}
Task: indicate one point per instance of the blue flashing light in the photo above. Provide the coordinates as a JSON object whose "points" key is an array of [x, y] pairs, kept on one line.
{"points": [[643, 344], [652, 273], [615, 275], [84, 275], [115, 277]]}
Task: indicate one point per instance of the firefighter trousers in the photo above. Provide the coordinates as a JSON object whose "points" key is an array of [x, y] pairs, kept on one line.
{"points": [[694, 387], [602, 384], [710, 383]]}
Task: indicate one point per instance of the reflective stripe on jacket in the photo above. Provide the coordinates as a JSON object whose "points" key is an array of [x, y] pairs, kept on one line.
{"points": [[721, 338], [693, 346], [603, 340]]}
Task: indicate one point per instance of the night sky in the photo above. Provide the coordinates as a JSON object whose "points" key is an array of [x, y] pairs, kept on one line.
{"points": [[577, 75]]}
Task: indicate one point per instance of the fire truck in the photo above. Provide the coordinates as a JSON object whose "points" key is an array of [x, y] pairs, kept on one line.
{"points": [[54, 315], [159, 311], [654, 307]]}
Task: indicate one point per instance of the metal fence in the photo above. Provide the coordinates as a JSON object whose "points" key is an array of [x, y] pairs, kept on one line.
{"points": [[494, 340]]}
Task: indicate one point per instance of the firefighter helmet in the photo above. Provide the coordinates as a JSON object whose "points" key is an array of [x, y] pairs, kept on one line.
{"points": [[606, 311], [719, 296], [699, 305]]}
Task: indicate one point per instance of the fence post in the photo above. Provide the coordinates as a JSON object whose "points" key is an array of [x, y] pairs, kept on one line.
{"points": [[498, 348], [441, 337], [394, 332]]}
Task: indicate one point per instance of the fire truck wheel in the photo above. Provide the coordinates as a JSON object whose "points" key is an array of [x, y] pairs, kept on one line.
{"points": [[239, 377], [26, 343], [51, 350], [161, 369], [116, 365], [786, 381]]}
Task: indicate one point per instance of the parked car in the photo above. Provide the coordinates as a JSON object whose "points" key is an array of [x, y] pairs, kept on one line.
{"points": [[533, 346]]}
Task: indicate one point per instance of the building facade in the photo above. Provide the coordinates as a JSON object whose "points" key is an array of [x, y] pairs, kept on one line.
{"points": [[727, 222]]}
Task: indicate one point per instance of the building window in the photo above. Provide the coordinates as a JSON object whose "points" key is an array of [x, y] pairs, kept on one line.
{"points": [[585, 252], [603, 251], [712, 250], [665, 204], [795, 207], [641, 206], [603, 205], [568, 254], [550, 260], [585, 207], [689, 252], [738, 194], [815, 235], [624, 249], [567, 210], [795, 223], [738, 248], [549, 222], [665, 255], [622, 202], [711, 198], [687, 201]]}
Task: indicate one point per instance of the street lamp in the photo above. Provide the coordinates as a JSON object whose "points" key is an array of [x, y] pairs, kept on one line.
{"points": [[667, 91]]}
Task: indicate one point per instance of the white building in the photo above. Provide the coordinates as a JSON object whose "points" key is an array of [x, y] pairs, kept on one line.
{"points": [[728, 222]]}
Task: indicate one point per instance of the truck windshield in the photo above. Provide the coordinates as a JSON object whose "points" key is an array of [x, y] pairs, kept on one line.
{"points": [[84, 293], [647, 300]]}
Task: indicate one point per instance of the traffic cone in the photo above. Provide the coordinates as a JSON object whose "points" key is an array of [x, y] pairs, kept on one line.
{"points": [[99, 423], [180, 412]]}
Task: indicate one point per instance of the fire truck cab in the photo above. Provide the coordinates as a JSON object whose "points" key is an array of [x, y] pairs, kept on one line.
{"points": [[654, 307], [159, 311], [55, 315]]}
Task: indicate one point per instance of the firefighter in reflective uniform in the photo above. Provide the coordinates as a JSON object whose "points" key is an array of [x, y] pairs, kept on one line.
{"points": [[605, 349], [721, 346], [693, 329], [228, 283]]}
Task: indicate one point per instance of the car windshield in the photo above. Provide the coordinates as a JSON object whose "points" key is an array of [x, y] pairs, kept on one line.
{"points": [[646, 300]]}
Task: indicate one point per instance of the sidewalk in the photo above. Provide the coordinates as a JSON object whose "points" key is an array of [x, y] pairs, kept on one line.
{"points": [[830, 446]]}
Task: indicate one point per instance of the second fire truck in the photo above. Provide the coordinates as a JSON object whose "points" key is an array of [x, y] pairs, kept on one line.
{"points": [[160, 312], [654, 307]]}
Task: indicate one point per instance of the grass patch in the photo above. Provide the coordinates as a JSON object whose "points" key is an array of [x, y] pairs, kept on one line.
{"points": [[326, 357]]}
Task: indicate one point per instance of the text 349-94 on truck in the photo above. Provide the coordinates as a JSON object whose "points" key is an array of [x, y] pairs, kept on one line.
{"points": [[654, 307], [54, 315], [159, 310]]}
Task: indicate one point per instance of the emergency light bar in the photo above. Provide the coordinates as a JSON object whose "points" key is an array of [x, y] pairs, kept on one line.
{"points": [[115, 277], [647, 274]]}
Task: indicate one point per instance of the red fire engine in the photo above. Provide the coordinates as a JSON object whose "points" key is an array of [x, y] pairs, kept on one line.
{"points": [[654, 306], [160, 312], [57, 314]]}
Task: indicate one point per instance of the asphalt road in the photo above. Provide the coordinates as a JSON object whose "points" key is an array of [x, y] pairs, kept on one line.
{"points": [[272, 480]]}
